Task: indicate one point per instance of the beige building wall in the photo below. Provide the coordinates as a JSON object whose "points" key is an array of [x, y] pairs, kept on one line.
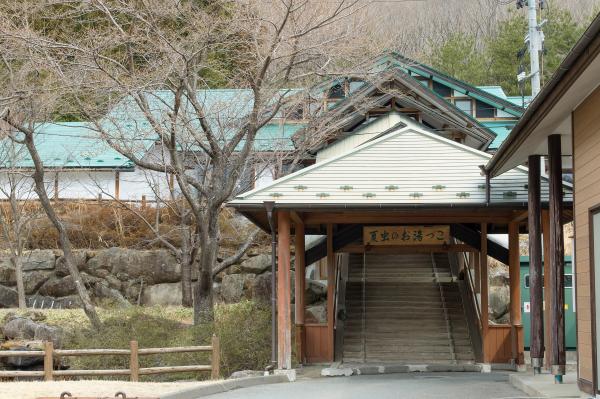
{"points": [[586, 137]]}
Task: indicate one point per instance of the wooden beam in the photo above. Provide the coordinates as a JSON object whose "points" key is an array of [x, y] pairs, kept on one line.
{"points": [[535, 264], [296, 218], [557, 257], [299, 287], [547, 291], [330, 293], [521, 216], [284, 334], [413, 217], [514, 269], [484, 294], [402, 249], [117, 184]]}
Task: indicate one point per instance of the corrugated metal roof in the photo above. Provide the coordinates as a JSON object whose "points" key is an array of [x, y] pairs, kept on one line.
{"points": [[501, 128], [407, 167], [224, 110], [65, 145]]}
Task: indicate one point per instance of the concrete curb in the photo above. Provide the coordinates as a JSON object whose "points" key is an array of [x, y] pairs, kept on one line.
{"points": [[400, 368], [226, 385], [543, 388]]}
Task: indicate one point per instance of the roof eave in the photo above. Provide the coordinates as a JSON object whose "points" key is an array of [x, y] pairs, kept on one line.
{"points": [[580, 54]]}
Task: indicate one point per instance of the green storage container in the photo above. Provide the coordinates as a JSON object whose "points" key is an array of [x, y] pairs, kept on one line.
{"points": [[570, 331]]}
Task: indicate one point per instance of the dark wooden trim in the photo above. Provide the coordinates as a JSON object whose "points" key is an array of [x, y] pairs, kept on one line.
{"points": [[557, 256], [592, 267], [535, 261], [484, 293]]}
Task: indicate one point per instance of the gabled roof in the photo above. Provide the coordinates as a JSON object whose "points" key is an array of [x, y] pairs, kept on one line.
{"points": [[67, 145], [351, 110], [407, 168]]}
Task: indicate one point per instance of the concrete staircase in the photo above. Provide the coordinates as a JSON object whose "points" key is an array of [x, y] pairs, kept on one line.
{"points": [[411, 312]]}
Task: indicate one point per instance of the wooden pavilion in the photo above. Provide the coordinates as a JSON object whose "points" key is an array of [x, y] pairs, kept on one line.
{"points": [[405, 191]]}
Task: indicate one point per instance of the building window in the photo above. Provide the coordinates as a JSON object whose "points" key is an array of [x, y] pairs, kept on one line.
{"points": [[483, 110], [336, 91], [441, 89], [465, 105]]}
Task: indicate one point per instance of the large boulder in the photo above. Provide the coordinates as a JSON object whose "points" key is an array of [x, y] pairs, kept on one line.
{"points": [[44, 259], [259, 288], [315, 291], [79, 256], [316, 314], [64, 286], [232, 287], [8, 297], [256, 264], [154, 267], [499, 301], [23, 328], [34, 279], [162, 294], [7, 272]]}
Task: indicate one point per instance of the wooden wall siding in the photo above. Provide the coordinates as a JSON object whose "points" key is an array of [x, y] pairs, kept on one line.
{"points": [[317, 347], [586, 147], [498, 344]]}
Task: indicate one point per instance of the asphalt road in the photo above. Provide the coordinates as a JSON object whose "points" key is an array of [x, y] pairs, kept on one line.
{"points": [[389, 386]]}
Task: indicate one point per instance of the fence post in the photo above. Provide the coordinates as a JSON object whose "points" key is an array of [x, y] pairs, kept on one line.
{"points": [[48, 361], [134, 364], [215, 358]]}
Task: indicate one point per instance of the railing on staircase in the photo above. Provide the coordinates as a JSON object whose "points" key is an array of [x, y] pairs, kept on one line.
{"points": [[472, 290], [445, 310]]}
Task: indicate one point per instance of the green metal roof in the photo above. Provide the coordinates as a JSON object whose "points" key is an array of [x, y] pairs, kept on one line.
{"points": [[65, 145], [225, 110], [501, 129]]}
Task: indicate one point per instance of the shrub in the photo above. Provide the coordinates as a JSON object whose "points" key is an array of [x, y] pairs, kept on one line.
{"points": [[245, 333]]}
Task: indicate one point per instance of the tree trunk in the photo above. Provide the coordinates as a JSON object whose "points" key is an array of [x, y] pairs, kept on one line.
{"points": [[186, 277], [16, 260], [65, 242], [203, 298]]}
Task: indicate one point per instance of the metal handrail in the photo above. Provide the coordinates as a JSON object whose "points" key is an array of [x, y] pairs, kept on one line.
{"points": [[471, 285]]}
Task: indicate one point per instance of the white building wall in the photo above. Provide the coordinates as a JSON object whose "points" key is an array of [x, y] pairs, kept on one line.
{"points": [[360, 136]]}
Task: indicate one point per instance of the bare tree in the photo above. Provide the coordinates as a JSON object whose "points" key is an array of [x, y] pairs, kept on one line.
{"points": [[152, 65], [19, 210]]}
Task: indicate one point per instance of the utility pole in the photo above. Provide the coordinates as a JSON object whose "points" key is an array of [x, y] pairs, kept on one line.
{"points": [[533, 40], [535, 45]]}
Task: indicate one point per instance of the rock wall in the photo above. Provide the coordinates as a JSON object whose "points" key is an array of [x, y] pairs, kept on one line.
{"points": [[150, 277]]}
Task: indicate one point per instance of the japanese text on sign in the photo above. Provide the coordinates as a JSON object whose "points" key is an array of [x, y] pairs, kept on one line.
{"points": [[406, 235]]}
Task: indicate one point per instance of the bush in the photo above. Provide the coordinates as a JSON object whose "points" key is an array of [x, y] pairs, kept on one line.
{"points": [[245, 333], [243, 328]]}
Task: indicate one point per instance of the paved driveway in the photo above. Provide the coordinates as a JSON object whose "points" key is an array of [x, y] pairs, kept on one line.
{"points": [[389, 386]]}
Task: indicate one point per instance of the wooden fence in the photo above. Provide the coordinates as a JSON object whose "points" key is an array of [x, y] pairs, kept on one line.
{"points": [[134, 371]]}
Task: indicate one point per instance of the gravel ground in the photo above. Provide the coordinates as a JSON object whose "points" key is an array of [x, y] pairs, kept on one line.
{"points": [[35, 389]]}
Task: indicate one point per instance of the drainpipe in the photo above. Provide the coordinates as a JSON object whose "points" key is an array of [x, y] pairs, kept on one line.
{"points": [[486, 173], [269, 206]]}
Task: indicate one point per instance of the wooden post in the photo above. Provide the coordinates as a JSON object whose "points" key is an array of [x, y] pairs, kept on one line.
{"points": [[215, 358], [48, 360], [557, 258], [117, 184], [535, 264], [134, 362], [515, 291], [144, 203], [299, 288], [56, 186], [483, 261], [547, 290], [330, 293], [477, 266], [284, 334]]}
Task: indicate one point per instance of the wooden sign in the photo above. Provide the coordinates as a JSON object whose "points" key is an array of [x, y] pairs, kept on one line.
{"points": [[406, 235]]}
